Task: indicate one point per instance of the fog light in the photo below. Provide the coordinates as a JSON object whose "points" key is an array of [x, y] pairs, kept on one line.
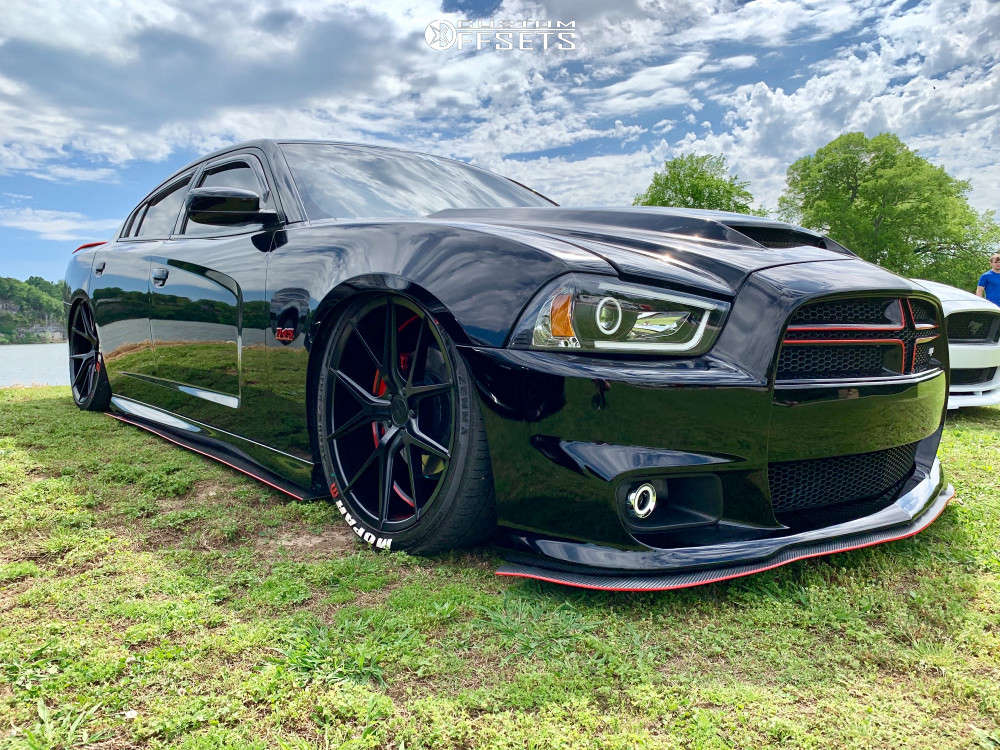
{"points": [[642, 500]]}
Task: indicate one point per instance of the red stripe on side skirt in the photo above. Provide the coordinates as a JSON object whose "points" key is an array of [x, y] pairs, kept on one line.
{"points": [[203, 453]]}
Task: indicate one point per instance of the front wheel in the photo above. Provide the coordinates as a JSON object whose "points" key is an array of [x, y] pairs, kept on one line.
{"points": [[89, 382], [399, 431]]}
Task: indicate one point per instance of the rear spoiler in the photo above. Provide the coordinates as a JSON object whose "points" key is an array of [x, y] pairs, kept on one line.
{"points": [[89, 244]]}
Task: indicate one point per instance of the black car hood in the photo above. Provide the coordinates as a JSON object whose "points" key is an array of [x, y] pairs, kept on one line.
{"points": [[705, 250]]}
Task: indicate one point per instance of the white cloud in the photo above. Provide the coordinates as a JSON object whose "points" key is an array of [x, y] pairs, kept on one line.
{"points": [[64, 226], [586, 182], [61, 173], [899, 84], [647, 88], [927, 72], [663, 126]]}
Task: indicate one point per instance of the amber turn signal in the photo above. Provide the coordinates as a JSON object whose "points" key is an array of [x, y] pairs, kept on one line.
{"points": [[562, 316]]}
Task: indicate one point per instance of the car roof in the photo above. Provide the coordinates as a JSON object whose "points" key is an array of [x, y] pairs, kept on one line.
{"points": [[270, 146]]}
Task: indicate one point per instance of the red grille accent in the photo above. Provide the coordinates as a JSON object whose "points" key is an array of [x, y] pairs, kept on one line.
{"points": [[856, 338]]}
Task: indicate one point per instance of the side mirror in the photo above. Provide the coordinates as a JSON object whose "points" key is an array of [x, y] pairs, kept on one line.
{"points": [[226, 206]]}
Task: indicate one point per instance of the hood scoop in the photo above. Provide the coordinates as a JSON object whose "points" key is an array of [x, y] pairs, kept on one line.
{"points": [[709, 250]]}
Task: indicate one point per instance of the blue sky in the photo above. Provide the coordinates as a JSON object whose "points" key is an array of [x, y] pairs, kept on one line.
{"points": [[98, 102]]}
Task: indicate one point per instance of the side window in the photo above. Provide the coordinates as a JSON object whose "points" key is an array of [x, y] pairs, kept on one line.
{"points": [[132, 225], [237, 174], [162, 212]]}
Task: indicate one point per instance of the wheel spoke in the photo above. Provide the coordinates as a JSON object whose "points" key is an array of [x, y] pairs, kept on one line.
{"points": [[88, 322], [366, 347], [390, 346], [85, 335], [361, 472], [91, 373], [426, 444], [85, 355], [413, 482], [385, 468], [419, 355], [76, 378], [362, 396], [361, 419], [419, 392]]}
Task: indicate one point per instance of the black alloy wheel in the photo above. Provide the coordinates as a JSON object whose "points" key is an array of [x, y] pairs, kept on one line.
{"points": [[86, 372], [399, 433]]}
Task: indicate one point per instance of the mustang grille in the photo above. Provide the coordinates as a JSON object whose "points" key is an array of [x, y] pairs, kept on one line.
{"points": [[818, 482], [983, 327], [860, 337], [973, 376]]}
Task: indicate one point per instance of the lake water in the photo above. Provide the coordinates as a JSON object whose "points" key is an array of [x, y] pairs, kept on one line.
{"points": [[34, 364]]}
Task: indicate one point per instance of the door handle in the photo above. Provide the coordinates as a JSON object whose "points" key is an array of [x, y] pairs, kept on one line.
{"points": [[99, 268], [160, 276]]}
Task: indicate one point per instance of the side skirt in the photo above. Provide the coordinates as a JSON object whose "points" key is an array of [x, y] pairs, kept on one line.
{"points": [[194, 438]]}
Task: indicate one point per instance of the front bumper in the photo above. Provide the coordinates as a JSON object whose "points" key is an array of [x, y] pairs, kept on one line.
{"points": [[731, 450], [682, 568], [974, 356]]}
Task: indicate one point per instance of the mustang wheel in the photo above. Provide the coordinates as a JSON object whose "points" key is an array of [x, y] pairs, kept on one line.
{"points": [[87, 378], [399, 431]]}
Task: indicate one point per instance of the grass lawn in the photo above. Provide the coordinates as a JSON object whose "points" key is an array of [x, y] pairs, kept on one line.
{"points": [[151, 597]]}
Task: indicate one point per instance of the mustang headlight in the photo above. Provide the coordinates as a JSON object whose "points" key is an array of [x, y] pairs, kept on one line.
{"points": [[602, 314]]}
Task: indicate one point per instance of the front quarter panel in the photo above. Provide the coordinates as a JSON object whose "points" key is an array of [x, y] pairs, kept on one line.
{"points": [[475, 282]]}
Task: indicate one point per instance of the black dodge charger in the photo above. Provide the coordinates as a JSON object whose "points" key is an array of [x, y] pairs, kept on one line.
{"points": [[634, 398]]}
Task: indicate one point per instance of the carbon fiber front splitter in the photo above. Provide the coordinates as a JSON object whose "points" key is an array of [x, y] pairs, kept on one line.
{"points": [[634, 581]]}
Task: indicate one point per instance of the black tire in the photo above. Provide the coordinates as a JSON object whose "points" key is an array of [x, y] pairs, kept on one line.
{"points": [[405, 459], [87, 378]]}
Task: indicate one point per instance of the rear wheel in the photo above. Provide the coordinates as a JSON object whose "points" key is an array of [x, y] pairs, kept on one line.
{"points": [[91, 390], [400, 434]]}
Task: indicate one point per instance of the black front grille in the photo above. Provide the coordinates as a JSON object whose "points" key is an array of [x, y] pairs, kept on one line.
{"points": [[922, 360], [860, 337], [983, 327], [855, 311], [800, 361], [819, 482], [973, 375], [924, 312]]}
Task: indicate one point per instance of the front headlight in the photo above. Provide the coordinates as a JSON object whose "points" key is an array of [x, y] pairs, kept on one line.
{"points": [[597, 313]]}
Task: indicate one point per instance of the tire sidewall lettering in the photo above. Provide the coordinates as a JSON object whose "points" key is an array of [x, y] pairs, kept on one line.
{"points": [[358, 528]]}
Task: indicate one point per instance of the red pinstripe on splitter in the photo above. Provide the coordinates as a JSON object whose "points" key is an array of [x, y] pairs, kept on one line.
{"points": [[203, 453], [743, 574]]}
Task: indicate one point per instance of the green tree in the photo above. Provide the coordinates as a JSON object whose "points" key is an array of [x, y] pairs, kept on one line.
{"points": [[24, 304], [54, 289], [890, 206], [698, 181]]}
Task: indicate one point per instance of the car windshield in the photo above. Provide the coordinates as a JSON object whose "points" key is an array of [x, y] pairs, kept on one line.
{"points": [[349, 182]]}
